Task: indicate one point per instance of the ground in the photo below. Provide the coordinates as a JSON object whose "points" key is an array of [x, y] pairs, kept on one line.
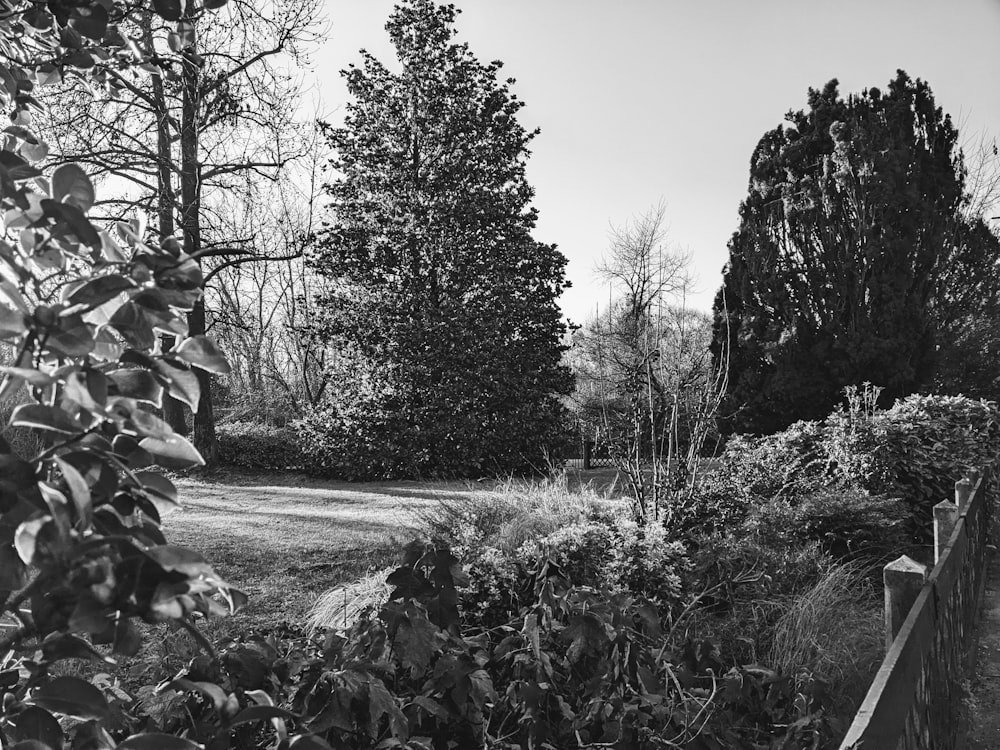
{"points": [[285, 539]]}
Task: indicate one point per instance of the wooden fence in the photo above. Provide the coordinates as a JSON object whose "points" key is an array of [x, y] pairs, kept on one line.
{"points": [[914, 702]]}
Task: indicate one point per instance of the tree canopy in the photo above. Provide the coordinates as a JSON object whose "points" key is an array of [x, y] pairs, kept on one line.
{"points": [[441, 300], [853, 256]]}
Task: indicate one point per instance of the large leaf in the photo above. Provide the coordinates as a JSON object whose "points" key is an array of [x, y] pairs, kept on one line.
{"points": [[201, 352], [98, 291], [35, 723], [130, 321], [47, 418], [26, 537], [70, 183], [137, 383], [71, 696], [168, 10], [180, 560], [181, 384], [173, 452]]}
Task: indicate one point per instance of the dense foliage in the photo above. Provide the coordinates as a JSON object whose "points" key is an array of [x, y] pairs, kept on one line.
{"points": [[853, 259], [442, 305], [256, 447], [913, 451]]}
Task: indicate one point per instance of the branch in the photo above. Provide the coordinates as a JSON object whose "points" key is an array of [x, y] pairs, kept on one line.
{"points": [[251, 259]]}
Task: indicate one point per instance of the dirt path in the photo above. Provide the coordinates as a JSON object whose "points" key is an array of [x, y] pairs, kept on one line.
{"points": [[984, 705]]}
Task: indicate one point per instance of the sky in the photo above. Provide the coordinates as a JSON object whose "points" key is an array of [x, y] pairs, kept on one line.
{"points": [[648, 101]]}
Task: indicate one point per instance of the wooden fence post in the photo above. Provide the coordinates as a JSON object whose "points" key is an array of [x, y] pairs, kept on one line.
{"points": [[945, 519], [588, 450], [903, 579], [963, 493]]}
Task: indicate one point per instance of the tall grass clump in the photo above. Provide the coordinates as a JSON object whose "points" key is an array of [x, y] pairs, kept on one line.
{"points": [[507, 516], [831, 631]]}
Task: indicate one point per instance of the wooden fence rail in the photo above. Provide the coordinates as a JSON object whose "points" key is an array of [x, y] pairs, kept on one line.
{"points": [[914, 700]]}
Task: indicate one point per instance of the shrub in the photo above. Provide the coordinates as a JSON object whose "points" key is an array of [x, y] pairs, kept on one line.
{"points": [[930, 442], [353, 440], [845, 523], [258, 447], [617, 555]]}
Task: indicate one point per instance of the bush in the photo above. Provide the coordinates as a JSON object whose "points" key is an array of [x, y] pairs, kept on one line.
{"points": [[354, 440], [617, 555], [929, 444], [915, 451], [846, 523], [258, 447]]}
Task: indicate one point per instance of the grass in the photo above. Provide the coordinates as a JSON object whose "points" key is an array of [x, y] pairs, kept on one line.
{"points": [[286, 540]]}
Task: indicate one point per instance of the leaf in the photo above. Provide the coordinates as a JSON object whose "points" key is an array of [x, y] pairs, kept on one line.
{"points": [[26, 537], [71, 696], [93, 25], [157, 741], [79, 491], [73, 218], [306, 741], [180, 560], [587, 637], [137, 383], [100, 290], [209, 689], [181, 384], [32, 377], [47, 418], [173, 452], [261, 713], [201, 352], [158, 484], [168, 10], [35, 723], [130, 321]]}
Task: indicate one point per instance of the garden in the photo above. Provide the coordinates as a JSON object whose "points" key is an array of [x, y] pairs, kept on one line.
{"points": [[291, 468]]}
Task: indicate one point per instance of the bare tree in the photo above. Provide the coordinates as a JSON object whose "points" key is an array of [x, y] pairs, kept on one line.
{"points": [[218, 109], [645, 380], [261, 312]]}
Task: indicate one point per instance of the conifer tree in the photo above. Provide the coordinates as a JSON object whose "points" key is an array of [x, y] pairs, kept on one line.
{"points": [[852, 258], [441, 302]]}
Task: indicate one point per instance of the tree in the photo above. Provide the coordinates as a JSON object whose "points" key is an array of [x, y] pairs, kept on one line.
{"points": [[645, 385], [442, 299], [853, 255], [217, 107]]}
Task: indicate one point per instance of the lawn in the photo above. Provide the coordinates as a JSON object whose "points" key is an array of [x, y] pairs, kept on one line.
{"points": [[285, 539]]}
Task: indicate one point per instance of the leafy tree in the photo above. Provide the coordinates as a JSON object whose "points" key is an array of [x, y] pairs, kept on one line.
{"points": [[444, 303], [853, 256]]}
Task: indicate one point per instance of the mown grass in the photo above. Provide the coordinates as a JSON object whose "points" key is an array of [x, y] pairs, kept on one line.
{"points": [[286, 540]]}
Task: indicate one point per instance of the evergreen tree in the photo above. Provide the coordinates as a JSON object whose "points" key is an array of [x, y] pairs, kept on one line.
{"points": [[852, 258], [441, 303]]}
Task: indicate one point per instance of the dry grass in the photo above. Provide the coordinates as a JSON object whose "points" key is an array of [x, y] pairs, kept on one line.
{"points": [[512, 512], [831, 631]]}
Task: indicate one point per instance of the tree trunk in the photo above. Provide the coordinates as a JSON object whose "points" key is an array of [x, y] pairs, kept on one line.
{"points": [[173, 410], [204, 417]]}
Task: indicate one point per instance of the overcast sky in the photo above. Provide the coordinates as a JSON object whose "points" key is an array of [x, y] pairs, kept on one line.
{"points": [[640, 101]]}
